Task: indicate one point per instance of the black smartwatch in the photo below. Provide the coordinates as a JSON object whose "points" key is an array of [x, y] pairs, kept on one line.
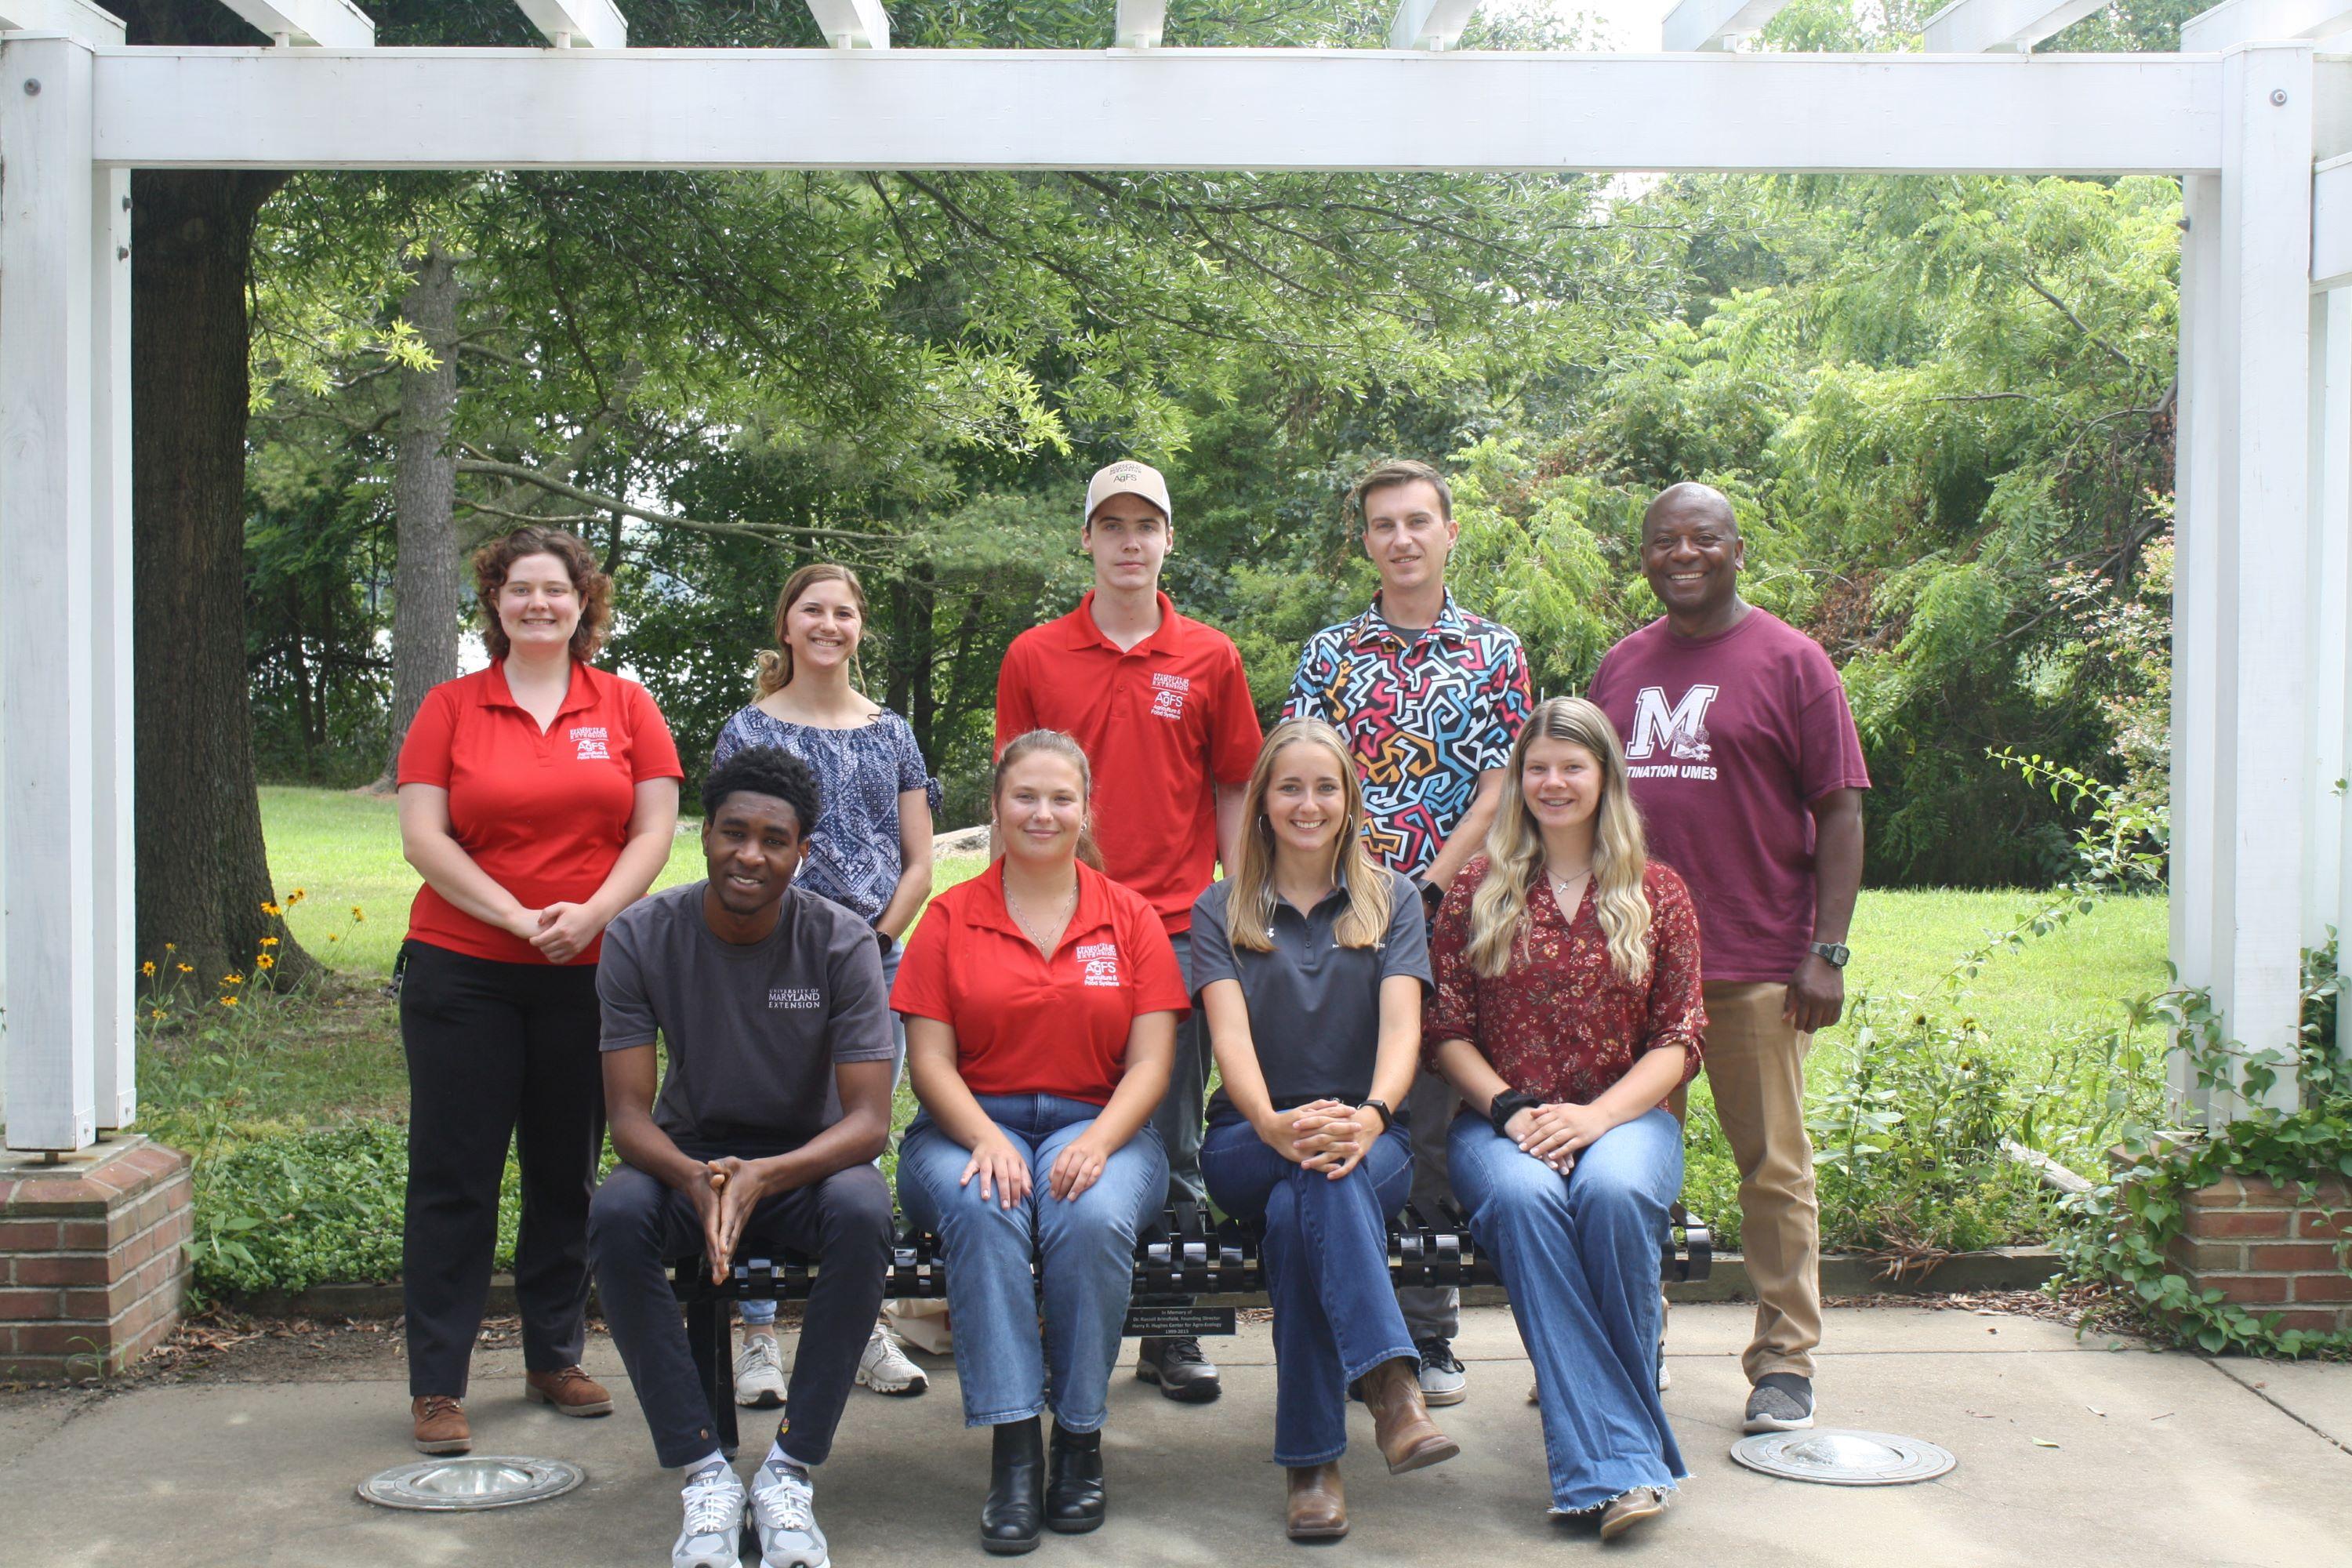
{"points": [[884, 943], [1388, 1117], [1505, 1106], [1431, 895], [1833, 953]]}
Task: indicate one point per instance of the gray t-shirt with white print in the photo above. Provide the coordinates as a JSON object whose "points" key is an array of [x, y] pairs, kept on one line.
{"points": [[753, 1031]]}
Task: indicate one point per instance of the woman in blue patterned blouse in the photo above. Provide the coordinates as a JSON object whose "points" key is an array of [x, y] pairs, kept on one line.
{"points": [[871, 852]]}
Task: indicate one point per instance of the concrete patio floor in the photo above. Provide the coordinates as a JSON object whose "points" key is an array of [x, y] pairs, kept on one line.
{"points": [[2156, 1457]]}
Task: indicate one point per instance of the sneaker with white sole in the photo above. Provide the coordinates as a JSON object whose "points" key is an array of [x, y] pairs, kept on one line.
{"points": [[1780, 1402], [759, 1372], [884, 1369], [714, 1520], [1443, 1379], [784, 1510]]}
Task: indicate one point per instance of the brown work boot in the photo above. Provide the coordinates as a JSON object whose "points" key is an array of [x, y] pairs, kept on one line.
{"points": [[1318, 1508], [571, 1391], [440, 1424], [1409, 1439]]}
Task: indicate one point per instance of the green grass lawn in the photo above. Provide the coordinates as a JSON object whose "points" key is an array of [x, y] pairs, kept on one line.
{"points": [[343, 850]]}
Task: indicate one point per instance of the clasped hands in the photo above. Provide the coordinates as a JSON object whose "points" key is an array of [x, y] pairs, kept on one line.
{"points": [[1326, 1135], [562, 932], [1554, 1133], [729, 1190]]}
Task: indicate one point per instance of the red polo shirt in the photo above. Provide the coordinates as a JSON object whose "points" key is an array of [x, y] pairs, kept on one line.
{"points": [[1025, 1024], [545, 814], [1163, 722]]}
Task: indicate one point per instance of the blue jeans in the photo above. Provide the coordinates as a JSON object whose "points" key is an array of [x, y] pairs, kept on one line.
{"points": [[1580, 1256], [1085, 1253], [1327, 1268]]}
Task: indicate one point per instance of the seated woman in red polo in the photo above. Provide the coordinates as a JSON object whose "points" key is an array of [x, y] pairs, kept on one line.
{"points": [[537, 799], [1041, 1001]]}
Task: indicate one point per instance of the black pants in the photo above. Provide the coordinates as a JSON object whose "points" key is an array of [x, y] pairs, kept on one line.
{"points": [[497, 1052], [639, 1226]]}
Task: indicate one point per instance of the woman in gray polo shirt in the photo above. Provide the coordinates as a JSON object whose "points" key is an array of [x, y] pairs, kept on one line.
{"points": [[1310, 963]]}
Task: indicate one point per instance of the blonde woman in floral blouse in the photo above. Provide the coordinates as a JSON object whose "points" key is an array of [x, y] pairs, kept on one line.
{"points": [[1566, 1009]]}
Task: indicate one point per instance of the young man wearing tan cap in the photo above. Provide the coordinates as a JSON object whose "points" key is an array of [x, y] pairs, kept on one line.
{"points": [[1161, 706]]}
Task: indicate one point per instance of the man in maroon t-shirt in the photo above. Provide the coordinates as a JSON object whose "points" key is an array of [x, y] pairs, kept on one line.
{"points": [[1749, 776]]}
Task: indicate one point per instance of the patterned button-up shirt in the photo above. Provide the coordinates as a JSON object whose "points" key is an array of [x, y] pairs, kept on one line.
{"points": [[1424, 712]]}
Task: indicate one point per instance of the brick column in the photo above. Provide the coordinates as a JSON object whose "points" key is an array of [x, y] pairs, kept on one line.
{"points": [[92, 1273], [2269, 1250]]}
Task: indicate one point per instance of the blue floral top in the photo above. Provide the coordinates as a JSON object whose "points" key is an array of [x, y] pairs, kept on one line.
{"points": [[854, 855]]}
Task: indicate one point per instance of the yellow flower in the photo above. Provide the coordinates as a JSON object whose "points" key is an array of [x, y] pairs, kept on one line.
{"points": [[358, 913], [270, 908], [228, 1001], [333, 936], [265, 962], [187, 969], [232, 978], [148, 969], [171, 947], [269, 941], [296, 897], [157, 1015]]}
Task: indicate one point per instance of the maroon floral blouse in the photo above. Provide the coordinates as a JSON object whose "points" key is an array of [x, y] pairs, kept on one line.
{"points": [[1560, 1024]]}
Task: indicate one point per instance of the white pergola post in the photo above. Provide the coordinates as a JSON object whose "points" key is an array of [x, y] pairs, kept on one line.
{"points": [[2196, 840], [113, 863], [50, 356], [2259, 526]]}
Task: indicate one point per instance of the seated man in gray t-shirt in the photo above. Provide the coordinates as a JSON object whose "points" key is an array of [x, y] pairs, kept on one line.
{"points": [[777, 1099]]}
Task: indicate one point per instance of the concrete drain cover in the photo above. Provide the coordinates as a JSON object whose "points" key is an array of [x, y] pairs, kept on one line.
{"points": [[1838, 1458], [460, 1485]]}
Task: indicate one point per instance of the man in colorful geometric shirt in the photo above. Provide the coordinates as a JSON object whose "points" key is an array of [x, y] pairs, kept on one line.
{"points": [[1430, 697]]}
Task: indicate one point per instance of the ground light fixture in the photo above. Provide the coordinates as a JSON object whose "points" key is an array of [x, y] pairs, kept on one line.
{"points": [[472, 1483], [1834, 1457]]}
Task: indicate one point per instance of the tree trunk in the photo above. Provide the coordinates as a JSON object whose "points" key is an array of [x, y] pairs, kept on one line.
{"points": [[425, 579], [203, 873]]}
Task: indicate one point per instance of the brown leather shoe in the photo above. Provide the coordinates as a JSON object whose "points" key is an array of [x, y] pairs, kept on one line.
{"points": [[1318, 1508], [440, 1424], [1409, 1439], [1638, 1506], [571, 1391]]}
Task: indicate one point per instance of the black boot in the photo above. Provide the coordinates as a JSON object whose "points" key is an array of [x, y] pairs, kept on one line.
{"points": [[1009, 1519], [1074, 1483]]}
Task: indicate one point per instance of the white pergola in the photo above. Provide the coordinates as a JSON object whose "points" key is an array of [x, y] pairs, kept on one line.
{"points": [[2256, 120]]}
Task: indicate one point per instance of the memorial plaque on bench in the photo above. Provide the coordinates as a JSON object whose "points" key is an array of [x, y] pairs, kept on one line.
{"points": [[1164, 1322]]}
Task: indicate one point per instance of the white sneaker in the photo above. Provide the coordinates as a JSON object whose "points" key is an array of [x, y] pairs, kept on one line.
{"points": [[884, 1367], [784, 1509], [714, 1520], [759, 1372]]}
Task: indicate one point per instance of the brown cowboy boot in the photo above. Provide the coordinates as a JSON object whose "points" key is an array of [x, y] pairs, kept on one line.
{"points": [[1318, 1508], [1409, 1439], [571, 1391], [439, 1424]]}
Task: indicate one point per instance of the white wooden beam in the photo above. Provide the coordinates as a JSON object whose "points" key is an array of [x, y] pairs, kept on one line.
{"points": [[2330, 597], [2331, 225], [74, 18], [2261, 529], [114, 1081], [1141, 23], [2197, 836], [578, 24], [322, 23], [1713, 24], [47, 908], [852, 24], [2255, 21], [1429, 24], [2010, 26], [1307, 110]]}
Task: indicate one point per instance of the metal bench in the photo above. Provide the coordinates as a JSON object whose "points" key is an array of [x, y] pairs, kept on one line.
{"points": [[1195, 1260]]}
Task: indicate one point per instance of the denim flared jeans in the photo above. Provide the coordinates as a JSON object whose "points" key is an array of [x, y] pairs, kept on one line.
{"points": [[1578, 1255], [1326, 1270], [1084, 1252]]}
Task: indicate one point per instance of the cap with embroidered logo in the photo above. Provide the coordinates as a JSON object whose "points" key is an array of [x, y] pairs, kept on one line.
{"points": [[1127, 478]]}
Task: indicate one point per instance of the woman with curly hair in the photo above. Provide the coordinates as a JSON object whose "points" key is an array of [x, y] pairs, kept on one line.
{"points": [[1567, 1010], [538, 798]]}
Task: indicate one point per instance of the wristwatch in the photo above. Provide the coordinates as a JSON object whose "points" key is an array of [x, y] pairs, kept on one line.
{"points": [[1431, 895], [1834, 953], [883, 941], [1505, 1106], [1388, 1117]]}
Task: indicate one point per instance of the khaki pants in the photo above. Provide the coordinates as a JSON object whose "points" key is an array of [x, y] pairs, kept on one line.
{"points": [[1756, 1066]]}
